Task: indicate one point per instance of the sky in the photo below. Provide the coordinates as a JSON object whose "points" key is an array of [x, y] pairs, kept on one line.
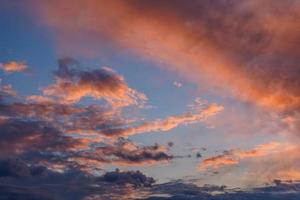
{"points": [[141, 98]]}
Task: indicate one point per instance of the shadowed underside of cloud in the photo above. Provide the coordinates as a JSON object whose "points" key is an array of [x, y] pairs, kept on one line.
{"points": [[21, 182]]}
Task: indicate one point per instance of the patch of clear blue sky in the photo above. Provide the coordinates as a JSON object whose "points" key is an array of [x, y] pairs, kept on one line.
{"points": [[21, 39]]}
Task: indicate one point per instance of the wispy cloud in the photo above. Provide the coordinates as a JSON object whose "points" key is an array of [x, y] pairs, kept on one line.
{"points": [[234, 156], [13, 66], [177, 84]]}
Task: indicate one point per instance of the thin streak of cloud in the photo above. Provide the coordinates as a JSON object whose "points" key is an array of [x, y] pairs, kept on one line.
{"points": [[13, 66]]}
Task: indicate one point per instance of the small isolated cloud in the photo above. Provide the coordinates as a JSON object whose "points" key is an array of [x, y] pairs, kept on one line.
{"points": [[13, 66], [7, 91], [72, 84], [177, 84]]}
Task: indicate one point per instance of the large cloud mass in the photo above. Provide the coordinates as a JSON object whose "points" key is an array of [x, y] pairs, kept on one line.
{"points": [[248, 47]]}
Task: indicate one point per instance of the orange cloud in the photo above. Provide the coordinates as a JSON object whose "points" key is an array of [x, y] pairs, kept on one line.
{"points": [[168, 123], [282, 164], [234, 156], [73, 84], [13, 66], [265, 162], [247, 48], [216, 162]]}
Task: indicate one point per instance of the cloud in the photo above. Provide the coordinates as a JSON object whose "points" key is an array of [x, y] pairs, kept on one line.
{"points": [[126, 153], [6, 91], [282, 164], [217, 161], [17, 168], [180, 190], [72, 84], [20, 136], [13, 168], [234, 156], [245, 49], [168, 123], [177, 84], [54, 130], [99, 120], [37, 142], [18, 180], [261, 164], [135, 178], [13, 66]]}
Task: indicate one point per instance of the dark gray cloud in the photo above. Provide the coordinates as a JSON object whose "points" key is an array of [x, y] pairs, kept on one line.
{"points": [[20, 135], [20, 181], [135, 178]]}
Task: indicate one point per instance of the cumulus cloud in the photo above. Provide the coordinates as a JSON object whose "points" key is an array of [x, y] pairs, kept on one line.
{"points": [[13, 66], [72, 84]]}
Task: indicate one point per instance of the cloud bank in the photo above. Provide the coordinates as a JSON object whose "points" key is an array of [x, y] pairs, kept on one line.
{"points": [[56, 129]]}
